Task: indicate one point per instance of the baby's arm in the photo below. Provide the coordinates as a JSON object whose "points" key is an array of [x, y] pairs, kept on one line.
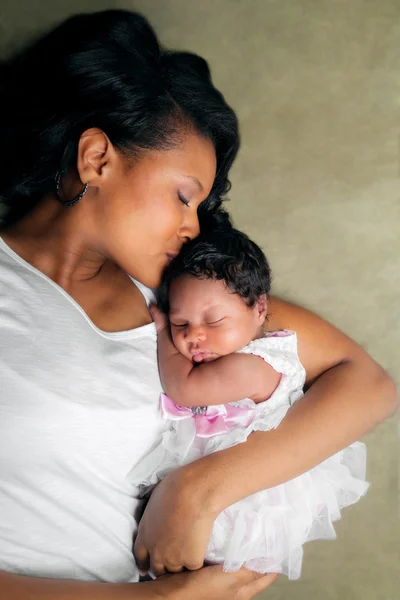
{"points": [[227, 379]]}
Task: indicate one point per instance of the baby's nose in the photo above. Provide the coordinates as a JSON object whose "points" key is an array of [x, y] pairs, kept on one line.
{"points": [[195, 334]]}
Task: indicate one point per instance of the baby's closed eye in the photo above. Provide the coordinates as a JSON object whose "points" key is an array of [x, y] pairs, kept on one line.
{"points": [[216, 322]]}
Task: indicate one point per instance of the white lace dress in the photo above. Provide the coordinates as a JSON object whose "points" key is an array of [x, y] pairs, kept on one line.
{"points": [[265, 531]]}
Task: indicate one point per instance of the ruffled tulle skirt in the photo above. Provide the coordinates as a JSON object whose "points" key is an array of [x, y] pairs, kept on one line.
{"points": [[266, 531]]}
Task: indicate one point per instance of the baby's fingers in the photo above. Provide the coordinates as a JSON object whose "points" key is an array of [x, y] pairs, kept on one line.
{"points": [[153, 309], [159, 318]]}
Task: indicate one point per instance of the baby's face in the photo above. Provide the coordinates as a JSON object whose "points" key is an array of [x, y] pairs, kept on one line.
{"points": [[209, 321]]}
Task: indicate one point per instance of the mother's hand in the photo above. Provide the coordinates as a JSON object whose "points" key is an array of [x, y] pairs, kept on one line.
{"points": [[211, 583], [175, 527]]}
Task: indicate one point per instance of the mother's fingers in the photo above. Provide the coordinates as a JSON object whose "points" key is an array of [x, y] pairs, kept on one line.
{"points": [[141, 555], [247, 577], [157, 569], [174, 568], [260, 583]]}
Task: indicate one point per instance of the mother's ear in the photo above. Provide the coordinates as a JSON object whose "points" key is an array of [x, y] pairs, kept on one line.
{"points": [[95, 155]]}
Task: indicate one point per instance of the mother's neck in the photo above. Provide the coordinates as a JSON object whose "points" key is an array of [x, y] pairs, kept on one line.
{"points": [[57, 240]]}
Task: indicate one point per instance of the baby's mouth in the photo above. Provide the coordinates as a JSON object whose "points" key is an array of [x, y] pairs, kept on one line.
{"points": [[202, 356]]}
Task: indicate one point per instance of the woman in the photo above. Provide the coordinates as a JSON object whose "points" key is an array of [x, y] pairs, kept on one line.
{"points": [[117, 152]]}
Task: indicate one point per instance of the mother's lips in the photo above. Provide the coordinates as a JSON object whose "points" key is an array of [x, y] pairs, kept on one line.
{"points": [[172, 255]]}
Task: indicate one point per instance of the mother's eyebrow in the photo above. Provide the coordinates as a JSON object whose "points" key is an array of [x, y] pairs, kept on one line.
{"points": [[196, 181]]}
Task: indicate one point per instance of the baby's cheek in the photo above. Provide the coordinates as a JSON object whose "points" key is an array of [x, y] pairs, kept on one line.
{"points": [[180, 344], [241, 334], [231, 340]]}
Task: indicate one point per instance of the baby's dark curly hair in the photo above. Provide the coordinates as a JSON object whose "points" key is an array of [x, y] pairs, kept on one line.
{"points": [[222, 254]]}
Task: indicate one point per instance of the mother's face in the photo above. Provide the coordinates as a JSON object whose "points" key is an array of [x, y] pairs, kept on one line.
{"points": [[150, 209]]}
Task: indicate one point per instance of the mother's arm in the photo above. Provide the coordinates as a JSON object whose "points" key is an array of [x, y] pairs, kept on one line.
{"points": [[208, 584], [349, 394]]}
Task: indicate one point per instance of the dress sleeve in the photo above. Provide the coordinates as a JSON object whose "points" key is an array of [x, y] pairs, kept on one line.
{"points": [[278, 349]]}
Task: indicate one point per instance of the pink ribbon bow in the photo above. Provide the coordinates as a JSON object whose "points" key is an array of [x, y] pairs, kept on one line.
{"points": [[214, 421]]}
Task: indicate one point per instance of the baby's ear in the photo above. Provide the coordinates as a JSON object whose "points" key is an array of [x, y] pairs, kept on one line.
{"points": [[261, 307]]}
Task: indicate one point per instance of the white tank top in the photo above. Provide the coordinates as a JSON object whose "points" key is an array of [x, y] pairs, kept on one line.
{"points": [[78, 409]]}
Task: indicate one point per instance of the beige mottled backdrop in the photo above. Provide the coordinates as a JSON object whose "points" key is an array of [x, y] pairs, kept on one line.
{"points": [[316, 84]]}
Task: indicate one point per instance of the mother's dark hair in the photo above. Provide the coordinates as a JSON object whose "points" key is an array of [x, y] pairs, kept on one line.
{"points": [[104, 70]]}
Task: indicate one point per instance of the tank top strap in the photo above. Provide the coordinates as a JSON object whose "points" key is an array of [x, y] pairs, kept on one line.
{"points": [[147, 293]]}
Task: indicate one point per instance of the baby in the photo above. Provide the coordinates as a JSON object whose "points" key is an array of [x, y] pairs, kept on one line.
{"points": [[225, 377]]}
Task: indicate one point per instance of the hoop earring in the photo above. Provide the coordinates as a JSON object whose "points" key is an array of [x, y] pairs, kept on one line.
{"points": [[74, 200]]}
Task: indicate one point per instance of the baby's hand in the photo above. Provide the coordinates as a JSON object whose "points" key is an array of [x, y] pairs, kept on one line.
{"points": [[160, 319]]}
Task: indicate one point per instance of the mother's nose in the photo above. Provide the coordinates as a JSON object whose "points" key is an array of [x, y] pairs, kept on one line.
{"points": [[190, 228]]}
